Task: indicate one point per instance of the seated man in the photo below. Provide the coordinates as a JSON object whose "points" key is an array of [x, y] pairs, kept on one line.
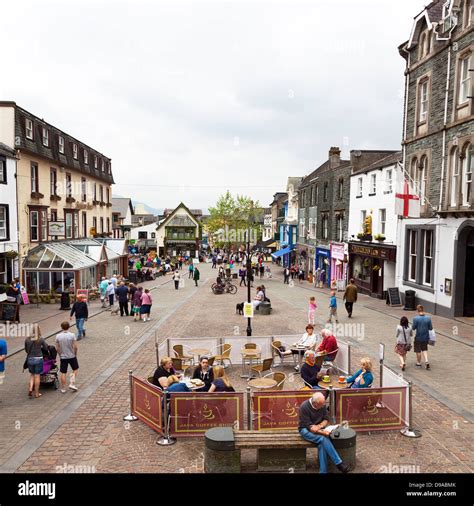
{"points": [[328, 345], [205, 373], [310, 371], [259, 298], [313, 419]]}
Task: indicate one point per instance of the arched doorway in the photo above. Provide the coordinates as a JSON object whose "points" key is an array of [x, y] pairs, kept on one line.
{"points": [[464, 269]]}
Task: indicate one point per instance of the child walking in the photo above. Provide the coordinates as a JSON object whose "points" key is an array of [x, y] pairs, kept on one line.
{"points": [[311, 310], [333, 307]]}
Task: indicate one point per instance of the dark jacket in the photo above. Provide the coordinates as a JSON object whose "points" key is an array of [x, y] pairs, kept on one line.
{"points": [[137, 298], [207, 377], [350, 295], [80, 310], [196, 274], [310, 416], [122, 293], [131, 292], [160, 373], [309, 373]]}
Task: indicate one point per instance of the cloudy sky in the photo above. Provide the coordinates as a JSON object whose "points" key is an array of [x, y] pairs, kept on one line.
{"points": [[190, 98]]}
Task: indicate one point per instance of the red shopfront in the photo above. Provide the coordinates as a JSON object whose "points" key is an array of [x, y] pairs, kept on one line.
{"points": [[372, 267]]}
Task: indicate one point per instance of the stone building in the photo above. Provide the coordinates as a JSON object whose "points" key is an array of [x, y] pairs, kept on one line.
{"points": [[436, 257]]}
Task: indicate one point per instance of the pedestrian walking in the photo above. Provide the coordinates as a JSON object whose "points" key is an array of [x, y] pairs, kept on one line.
{"points": [[114, 281], [176, 279], [422, 326], [3, 357], [196, 276], [191, 271], [312, 310], [35, 346], [286, 276], [300, 275], [122, 296], [214, 262], [242, 275], [103, 289], [333, 307], [404, 339], [131, 292], [137, 303], [180, 263], [110, 293], [261, 270], [350, 296], [66, 345], [145, 308], [81, 311]]}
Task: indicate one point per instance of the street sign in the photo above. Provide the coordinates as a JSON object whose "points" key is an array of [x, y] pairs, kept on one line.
{"points": [[248, 310]]}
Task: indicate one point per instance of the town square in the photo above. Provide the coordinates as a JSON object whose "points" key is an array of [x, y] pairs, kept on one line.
{"points": [[237, 253]]}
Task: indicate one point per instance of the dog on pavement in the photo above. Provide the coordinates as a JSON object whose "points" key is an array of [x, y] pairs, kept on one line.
{"points": [[114, 311], [239, 308]]}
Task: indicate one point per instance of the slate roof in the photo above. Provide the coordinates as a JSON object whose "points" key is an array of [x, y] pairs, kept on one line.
{"points": [[385, 161], [7, 151], [120, 205]]}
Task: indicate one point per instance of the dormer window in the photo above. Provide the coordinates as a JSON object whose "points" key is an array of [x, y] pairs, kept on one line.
{"points": [[86, 157], [96, 162], [74, 151], [424, 45], [61, 144], [29, 129], [102, 165], [45, 137]]}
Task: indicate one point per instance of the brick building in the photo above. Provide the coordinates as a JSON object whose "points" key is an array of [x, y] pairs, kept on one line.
{"points": [[437, 250]]}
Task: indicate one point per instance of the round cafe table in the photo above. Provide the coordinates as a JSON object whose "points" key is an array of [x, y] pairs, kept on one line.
{"points": [[334, 383], [250, 355], [300, 350], [262, 383]]}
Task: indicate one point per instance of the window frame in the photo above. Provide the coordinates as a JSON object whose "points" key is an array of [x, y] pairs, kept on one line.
{"points": [[467, 184], [61, 144], [83, 189], [34, 177], [382, 220], [389, 181], [340, 188], [85, 156], [423, 102], [68, 185], [6, 208], [31, 130], [3, 170], [360, 187], [416, 237], [75, 151], [465, 85], [45, 136], [424, 271], [42, 224], [53, 182], [373, 184]]}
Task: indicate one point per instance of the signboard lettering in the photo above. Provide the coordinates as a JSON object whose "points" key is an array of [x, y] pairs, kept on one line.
{"points": [[56, 228]]}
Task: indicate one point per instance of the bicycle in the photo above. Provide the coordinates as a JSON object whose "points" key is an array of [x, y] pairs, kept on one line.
{"points": [[227, 287]]}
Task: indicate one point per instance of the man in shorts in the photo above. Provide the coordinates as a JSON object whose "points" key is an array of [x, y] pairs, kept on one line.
{"points": [[66, 345]]}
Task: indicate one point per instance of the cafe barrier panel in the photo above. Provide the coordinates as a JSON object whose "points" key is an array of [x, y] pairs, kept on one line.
{"points": [[391, 378], [194, 413], [369, 409], [147, 402], [277, 409]]}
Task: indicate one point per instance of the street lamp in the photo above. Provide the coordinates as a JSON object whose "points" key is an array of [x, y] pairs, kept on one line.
{"points": [[249, 271]]}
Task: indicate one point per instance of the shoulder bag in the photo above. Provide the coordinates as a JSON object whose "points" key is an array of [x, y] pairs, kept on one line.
{"points": [[407, 346]]}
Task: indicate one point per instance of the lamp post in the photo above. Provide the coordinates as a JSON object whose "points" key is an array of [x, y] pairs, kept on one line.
{"points": [[249, 278]]}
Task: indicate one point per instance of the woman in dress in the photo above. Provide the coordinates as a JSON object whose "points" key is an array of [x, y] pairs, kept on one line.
{"points": [[404, 341]]}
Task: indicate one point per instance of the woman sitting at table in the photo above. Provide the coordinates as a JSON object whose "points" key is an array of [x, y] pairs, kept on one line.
{"points": [[174, 385], [308, 340], [163, 372], [310, 371], [221, 382], [363, 378], [205, 373]]}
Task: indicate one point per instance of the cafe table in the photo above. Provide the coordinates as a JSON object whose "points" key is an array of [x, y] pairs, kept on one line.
{"points": [[333, 383], [300, 350], [250, 355], [262, 383]]}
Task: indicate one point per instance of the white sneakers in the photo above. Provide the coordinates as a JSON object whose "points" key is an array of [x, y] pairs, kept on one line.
{"points": [[72, 379]]}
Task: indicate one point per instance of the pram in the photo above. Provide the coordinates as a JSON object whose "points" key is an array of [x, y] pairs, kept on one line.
{"points": [[50, 368]]}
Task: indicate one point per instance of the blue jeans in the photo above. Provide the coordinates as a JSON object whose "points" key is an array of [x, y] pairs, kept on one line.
{"points": [[80, 326], [325, 449]]}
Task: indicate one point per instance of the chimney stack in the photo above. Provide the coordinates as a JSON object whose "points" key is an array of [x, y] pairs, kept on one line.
{"points": [[334, 157]]}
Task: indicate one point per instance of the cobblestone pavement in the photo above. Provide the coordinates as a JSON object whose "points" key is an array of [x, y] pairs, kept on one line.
{"points": [[92, 433]]}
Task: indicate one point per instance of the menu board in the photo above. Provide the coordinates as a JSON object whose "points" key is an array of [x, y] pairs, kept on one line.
{"points": [[393, 297]]}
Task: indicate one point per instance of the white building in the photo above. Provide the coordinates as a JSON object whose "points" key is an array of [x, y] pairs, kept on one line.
{"points": [[8, 215], [373, 225], [122, 212], [267, 233], [145, 235]]}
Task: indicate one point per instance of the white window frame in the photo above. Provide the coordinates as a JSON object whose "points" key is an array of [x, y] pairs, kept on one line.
{"points": [[34, 178], [468, 168], [86, 157], [455, 173], [102, 165], [45, 136], [3, 170], [389, 181], [339, 227], [382, 221], [360, 184], [325, 223], [412, 254], [29, 129], [68, 220], [302, 227], [427, 257], [465, 79], [3, 223], [96, 162], [363, 216], [35, 227], [424, 101], [74, 150], [373, 184], [61, 144], [68, 180]]}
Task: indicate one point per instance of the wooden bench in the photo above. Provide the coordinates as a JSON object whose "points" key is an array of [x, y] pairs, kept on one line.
{"points": [[276, 451]]}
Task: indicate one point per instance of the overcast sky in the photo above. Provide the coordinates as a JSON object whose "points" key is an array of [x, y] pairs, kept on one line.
{"points": [[192, 98]]}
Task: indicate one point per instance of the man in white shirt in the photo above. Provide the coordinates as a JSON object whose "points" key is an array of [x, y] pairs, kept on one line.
{"points": [[110, 292]]}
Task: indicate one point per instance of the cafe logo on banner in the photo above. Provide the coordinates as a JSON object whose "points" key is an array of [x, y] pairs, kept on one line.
{"points": [[277, 410], [372, 409], [193, 414], [147, 403]]}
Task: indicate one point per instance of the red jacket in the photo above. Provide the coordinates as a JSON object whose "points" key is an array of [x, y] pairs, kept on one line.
{"points": [[329, 345]]}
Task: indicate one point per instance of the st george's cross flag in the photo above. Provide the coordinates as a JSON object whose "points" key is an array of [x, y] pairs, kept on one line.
{"points": [[407, 203]]}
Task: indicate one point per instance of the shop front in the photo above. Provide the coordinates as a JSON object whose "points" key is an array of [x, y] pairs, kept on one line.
{"points": [[372, 267], [339, 257], [322, 265]]}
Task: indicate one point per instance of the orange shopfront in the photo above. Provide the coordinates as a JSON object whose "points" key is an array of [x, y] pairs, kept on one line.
{"points": [[373, 267]]}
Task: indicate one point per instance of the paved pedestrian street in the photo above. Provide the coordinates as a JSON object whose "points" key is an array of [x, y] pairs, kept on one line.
{"points": [[86, 430]]}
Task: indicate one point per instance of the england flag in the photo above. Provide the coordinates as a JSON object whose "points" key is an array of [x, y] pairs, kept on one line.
{"points": [[407, 203]]}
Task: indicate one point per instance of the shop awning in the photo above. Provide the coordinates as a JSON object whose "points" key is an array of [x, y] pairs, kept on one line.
{"points": [[282, 252]]}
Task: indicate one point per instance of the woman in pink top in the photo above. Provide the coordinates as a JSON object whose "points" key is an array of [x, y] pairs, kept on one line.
{"points": [[145, 308]]}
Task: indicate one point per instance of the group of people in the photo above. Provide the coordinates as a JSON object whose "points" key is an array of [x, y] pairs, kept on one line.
{"points": [[214, 378]]}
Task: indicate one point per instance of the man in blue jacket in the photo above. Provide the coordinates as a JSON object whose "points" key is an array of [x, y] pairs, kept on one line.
{"points": [[122, 294], [422, 326]]}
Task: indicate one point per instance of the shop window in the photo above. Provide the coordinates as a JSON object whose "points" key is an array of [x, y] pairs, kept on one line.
{"points": [[361, 268]]}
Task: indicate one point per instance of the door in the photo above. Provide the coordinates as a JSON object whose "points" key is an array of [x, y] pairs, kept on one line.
{"points": [[377, 278], [469, 284]]}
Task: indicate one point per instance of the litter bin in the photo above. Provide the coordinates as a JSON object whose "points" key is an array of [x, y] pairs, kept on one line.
{"points": [[410, 304], [344, 441], [65, 301], [265, 308]]}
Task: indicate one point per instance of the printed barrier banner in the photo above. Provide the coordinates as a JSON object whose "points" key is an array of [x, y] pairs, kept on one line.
{"points": [[372, 408], [278, 409], [147, 404], [193, 413]]}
